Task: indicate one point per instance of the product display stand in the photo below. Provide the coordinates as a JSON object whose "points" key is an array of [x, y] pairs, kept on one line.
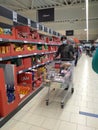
{"points": [[24, 53], [3, 120]]}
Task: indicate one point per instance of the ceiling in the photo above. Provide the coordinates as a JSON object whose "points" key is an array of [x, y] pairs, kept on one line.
{"points": [[76, 21], [20, 5]]}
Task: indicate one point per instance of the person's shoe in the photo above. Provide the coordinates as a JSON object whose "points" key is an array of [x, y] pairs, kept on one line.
{"points": [[66, 88]]}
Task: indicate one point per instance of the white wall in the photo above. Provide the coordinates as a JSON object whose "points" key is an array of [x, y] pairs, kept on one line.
{"points": [[29, 14], [6, 20], [69, 13]]}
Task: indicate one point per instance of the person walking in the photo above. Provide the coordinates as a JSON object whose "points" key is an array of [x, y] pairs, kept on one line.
{"points": [[65, 50], [66, 53], [76, 51]]}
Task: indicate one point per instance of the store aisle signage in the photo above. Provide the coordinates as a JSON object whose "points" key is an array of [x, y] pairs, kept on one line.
{"points": [[46, 15], [14, 16], [29, 22]]}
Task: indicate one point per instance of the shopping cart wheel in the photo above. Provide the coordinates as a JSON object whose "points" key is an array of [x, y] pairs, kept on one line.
{"points": [[62, 105], [72, 90], [47, 103]]}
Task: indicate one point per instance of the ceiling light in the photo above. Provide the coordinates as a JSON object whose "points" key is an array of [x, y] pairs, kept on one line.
{"points": [[87, 19]]}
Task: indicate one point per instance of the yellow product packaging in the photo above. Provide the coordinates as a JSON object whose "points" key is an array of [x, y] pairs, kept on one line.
{"points": [[3, 50]]}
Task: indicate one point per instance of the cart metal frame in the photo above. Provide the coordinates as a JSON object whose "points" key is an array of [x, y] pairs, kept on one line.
{"points": [[54, 76]]}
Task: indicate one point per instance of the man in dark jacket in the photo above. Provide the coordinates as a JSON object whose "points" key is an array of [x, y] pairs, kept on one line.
{"points": [[93, 49], [66, 51]]}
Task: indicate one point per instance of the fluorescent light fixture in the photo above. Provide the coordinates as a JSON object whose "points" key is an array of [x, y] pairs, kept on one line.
{"points": [[87, 20]]}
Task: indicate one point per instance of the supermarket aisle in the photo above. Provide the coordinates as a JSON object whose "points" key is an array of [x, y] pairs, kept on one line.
{"points": [[76, 114]]}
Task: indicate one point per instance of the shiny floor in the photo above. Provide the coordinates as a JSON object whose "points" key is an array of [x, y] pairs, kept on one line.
{"points": [[35, 115]]}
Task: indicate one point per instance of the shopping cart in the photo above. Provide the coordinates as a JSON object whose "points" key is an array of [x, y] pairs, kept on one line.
{"points": [[60, 72]]}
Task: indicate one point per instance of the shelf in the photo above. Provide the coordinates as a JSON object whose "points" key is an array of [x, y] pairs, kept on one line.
{"points": [[19, 41], [2, 40], [35, 66], [22, 103], [25, 55], [18, 19], [30, 45]]}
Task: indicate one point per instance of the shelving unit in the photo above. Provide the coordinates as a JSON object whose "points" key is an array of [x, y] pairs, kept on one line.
{"points": [[23, 56]]}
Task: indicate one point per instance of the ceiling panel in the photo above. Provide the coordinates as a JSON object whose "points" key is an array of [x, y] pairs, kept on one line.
{"points": [[39, 4]]}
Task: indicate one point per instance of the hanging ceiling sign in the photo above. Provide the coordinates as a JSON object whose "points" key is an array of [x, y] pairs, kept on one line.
{"points": [[45, 15]]}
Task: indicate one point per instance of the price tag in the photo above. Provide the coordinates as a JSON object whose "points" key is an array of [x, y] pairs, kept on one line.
{"points": [[34, 66], [0, 39], [39, 42], [25, 41], [0, 59], [21, 71], [19, 55]]}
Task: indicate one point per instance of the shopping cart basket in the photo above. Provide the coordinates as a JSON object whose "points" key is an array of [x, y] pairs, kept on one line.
{"points": [[60, 72]]}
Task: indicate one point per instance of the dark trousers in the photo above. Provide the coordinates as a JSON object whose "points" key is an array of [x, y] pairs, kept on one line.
{"points": [[76, 60]]}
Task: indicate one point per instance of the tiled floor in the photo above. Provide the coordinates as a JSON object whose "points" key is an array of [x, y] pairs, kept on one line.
{"points": [[35, 115]]}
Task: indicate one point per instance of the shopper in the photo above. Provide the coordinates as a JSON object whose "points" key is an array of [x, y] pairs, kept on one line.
{"points": [[66, 53], [88, 48], [95, 61], [93, 49], [76, 51]]}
